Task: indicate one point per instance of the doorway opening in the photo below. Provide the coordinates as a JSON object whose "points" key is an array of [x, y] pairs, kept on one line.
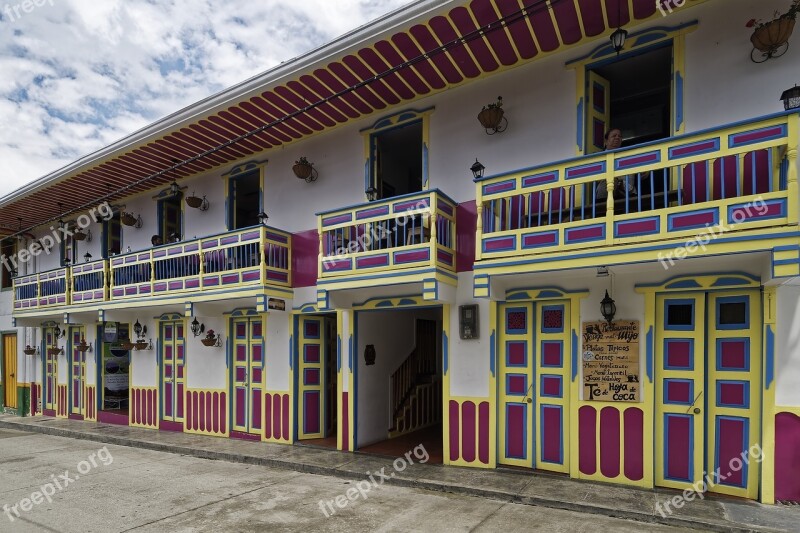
{"points": [[317, 380], [399, 382], [114, 371]]}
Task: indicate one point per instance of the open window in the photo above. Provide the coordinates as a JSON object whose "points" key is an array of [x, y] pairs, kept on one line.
{"points": [[397, 155], [397, 161], [632, 94], [170, 218], [112, 236], [7, 251], [244, 200]]}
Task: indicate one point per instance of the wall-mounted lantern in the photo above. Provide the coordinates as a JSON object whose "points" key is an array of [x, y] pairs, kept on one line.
{"points": [[608, 308], [477, 169]]}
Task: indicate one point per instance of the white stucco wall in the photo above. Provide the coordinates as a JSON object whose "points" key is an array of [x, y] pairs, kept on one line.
{"points": [[279, 325], [787, 347], [468, 360]]}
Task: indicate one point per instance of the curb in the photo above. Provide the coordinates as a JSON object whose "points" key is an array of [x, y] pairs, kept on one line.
{"points": [[433, 486]]}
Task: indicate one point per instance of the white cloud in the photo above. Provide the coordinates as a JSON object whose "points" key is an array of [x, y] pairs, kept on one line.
{"points": [[76, 75]]}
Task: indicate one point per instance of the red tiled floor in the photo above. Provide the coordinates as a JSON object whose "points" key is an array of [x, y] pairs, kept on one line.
{"points": [[327, 442], [430, 438]]}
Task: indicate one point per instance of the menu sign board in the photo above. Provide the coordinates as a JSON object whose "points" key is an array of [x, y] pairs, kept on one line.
{"points": [[611, 361]]}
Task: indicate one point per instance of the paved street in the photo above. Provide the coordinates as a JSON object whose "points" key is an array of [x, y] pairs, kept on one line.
{"points": [[127, 489]]}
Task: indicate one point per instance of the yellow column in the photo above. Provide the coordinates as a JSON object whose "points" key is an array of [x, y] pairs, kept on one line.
{"points": [[610, 199], [791, 178], [768, 406]]}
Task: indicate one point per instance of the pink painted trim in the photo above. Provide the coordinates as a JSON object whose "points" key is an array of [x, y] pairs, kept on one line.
{"points": [[168, 425], [634, 444], [268, 416], [468, 436], [609, 442], [345, 422], [305, 246], [483, 433], [587, 447], [112, 418], [787, 457], [466, 225], [244, 436], [453, 430]]}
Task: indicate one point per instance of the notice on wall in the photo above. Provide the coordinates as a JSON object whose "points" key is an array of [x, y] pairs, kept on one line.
{"points": [[611, 361]]}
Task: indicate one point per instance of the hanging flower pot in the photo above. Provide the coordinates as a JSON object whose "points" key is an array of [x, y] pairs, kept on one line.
{"points": [[304, 170], [141, 345], [128, 219], [210, 339], [53, 350], [773, 35], [126, 345], [79, 235], [196, 202], [29, 350], [492, 117]]}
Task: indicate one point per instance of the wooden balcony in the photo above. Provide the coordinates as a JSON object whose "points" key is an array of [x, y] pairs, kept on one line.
{"points": [[41, 290], [257, 257], [735, 178], [389, 237]]}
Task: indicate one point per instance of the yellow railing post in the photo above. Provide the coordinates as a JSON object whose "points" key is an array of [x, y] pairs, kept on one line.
{"points": [[791, 176], [263, 257], [609, 199], [434, 209]]}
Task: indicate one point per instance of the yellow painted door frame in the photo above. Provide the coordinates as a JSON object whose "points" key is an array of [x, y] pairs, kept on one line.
{"points": [[248, 374], [173, 370], [311, 385], [77, 372], [10, 370], [679, 389], [708, 391], [533, 386]]}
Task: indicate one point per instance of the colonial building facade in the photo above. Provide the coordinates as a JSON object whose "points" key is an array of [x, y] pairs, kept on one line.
{"points": [[336, 252]]}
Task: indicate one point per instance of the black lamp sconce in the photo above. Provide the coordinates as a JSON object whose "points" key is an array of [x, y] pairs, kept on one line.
{"points": [[369, 355], [791, 98], [477, 169], [262, 218], [608, 308], [197, 328], [371, 193], [60, 333]]}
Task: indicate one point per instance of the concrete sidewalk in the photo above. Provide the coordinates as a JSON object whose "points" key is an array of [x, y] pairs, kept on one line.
{"points": [[709, 514]]}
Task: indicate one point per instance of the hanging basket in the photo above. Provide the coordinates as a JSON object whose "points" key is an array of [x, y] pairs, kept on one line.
{"points": [[29, 351], [209, 341], [53, 350], [773, 35], [490, 118], [83, 347], [127, 346], [194, 201], [302, 170], [141, 345], [79, 236], [127, 219]]}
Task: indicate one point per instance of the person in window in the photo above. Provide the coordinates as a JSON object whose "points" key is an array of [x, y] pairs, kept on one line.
{"points": [[156, 240], [613, 140]]}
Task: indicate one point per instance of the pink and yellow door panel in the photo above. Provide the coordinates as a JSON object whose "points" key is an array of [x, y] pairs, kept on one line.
{"points": [[707, 391], [50, 399], [311, 377], [679, 390], [173, 370], [734, 392], [533, 385], [248, 374], [77, 372]]}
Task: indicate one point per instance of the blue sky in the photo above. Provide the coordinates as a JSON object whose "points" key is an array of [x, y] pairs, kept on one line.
{"points": [[76, 75]]}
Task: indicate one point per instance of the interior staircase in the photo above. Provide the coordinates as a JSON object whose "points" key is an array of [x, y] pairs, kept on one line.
{"points": [[416, 400]]}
